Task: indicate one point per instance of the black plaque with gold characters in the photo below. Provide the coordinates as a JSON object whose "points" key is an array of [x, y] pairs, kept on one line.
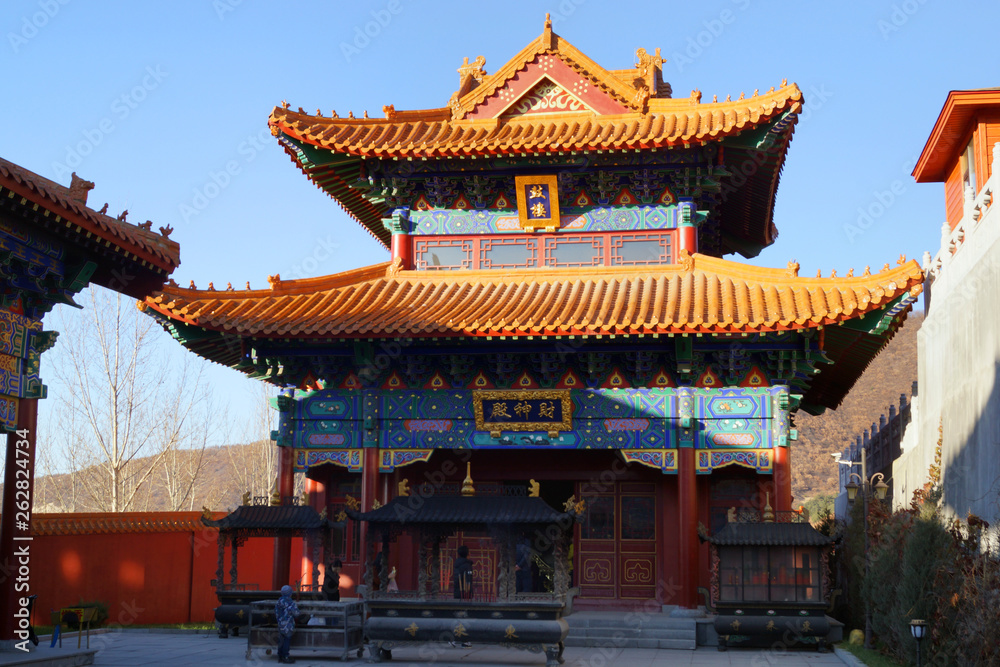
{"points": [[537, 201], [523, 410]]}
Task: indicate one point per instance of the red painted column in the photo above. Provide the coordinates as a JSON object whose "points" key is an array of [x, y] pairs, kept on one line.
{"points": [[782, 480], [16, 546], [369, 492], [687, 238], [283, 545], [687, 502], [403, 249], [316, 491]]}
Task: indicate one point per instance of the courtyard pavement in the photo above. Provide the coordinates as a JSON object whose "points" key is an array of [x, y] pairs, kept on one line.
{"points": [[134, 649]]}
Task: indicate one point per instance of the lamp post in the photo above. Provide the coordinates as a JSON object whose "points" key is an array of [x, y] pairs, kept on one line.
{"points": [[868, 486], [918, 627]]}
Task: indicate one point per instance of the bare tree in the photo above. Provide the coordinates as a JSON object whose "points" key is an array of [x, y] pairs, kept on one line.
{"points": [[121, 404], [255, 464]]}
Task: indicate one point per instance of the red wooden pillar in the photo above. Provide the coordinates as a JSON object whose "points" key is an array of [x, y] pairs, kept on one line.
{"points": [[782, 480], [316, 492], [16, 547], [283, 545], [369, 492], [403, 249], [687, 502]]}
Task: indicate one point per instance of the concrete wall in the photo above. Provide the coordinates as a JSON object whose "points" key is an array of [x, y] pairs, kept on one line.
{"points": [[959, 359]]}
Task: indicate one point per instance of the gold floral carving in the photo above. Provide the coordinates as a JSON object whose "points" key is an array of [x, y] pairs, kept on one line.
{"points": [[516, 397]]}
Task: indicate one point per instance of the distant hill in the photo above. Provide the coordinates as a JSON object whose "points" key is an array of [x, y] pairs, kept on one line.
{"points": [[814, 472]]}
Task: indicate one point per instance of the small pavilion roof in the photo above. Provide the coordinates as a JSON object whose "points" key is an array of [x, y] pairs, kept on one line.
{"points": [[700, 295], [611, 111], [256, 518]]}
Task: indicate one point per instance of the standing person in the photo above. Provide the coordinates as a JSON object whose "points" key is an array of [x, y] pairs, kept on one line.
{"points": [[331, 581], [461, 576], [285, 611], [522, 567]]}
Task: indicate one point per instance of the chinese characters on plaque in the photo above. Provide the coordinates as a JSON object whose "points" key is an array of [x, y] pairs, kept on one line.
{"points": [[523, 410], [537, 201]]}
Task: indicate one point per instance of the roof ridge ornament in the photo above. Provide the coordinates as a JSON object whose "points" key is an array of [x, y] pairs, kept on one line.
{"points": [[547, 41]]}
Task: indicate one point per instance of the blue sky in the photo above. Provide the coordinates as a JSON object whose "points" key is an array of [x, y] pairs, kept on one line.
{"points": [[164, 106]]}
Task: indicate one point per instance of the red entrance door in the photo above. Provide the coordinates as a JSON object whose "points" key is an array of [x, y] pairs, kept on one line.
{"points": [[616, 550]]}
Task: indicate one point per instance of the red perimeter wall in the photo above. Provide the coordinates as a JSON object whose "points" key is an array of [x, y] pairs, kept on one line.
{"points": [[149, 568]]}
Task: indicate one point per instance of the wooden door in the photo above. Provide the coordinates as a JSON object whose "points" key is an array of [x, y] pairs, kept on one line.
{"points": [[616, 550]]}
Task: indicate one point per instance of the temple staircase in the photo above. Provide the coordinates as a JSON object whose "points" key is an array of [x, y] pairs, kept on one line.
{"points": [[631, 630]]}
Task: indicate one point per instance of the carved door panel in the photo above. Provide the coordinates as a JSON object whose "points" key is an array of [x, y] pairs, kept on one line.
{"points": [[617, 544]]}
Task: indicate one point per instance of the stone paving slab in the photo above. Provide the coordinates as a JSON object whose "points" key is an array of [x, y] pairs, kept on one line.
{"points": [[134, 649]]}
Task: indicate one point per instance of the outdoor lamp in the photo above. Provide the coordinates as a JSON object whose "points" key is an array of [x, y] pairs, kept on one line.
{"points": [[880, 490], [918, 627], [852, 491]]}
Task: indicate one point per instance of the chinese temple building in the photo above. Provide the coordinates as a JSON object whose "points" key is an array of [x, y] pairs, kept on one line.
{"points": [[52, 246], [556, 308]]}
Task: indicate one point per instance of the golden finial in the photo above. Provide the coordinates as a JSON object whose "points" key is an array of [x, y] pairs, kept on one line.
{"points": [[901, 260], [533, 488], [366, 113], [793, 269], [742, 95], [304, 498], [819, 273], [868, 270], [729, 98], [376, 504], [768, 511], [548, 21], [322, 514], [248, 284], [191, 286], [756, 92], [850, 273], [245, 499], [302, 111], [833, 274], [350, 114], [206, 513], [715, 98], [284, 104], [319, 113], [772, 89], [885, 267], [403, 489], [275, 496], [333, 113], [784, 82], [467, 488], [229, 287], [731, 515], [211, 286]]}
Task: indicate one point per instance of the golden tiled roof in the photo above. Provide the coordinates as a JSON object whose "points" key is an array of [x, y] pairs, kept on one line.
{"points": [[145, 245], [651, 120], [699, 295], [672, 123]]}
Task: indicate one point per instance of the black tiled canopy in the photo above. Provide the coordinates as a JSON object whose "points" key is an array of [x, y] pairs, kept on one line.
{"points": [[770, 534]]}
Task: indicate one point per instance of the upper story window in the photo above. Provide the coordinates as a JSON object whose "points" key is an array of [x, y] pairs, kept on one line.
{"points": [[968, 161], [529, 251]]}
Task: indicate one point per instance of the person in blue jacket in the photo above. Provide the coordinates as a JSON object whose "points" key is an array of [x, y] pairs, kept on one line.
{"points": [[285, 611]]}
